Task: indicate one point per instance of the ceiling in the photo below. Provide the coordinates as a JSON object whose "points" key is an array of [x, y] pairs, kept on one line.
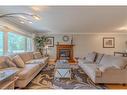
{"points": [[71, 19]]}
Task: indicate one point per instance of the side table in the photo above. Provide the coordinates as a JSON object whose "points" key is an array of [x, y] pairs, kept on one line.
{"points": [[8, 79], [124, 54]]}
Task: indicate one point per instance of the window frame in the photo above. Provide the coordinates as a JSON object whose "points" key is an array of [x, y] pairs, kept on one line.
{"points": [[2, 43], [6, 39]]}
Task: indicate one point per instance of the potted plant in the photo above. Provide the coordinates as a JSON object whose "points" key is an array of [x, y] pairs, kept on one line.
{"points": [[40, 42]]}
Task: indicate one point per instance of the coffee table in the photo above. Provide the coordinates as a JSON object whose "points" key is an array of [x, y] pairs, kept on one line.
{"points": [[62, 70]]}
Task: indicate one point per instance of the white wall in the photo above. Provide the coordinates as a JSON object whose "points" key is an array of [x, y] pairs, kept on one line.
{"points": [[88, 43], [57, 38], [85, 43]]}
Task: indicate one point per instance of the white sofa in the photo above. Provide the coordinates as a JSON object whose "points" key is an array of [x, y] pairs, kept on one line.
{"points": [[30, 70], [105, 68]]}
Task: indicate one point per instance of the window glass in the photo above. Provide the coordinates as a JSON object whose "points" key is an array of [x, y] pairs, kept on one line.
{"points": [[16, 43], [1, 43]]}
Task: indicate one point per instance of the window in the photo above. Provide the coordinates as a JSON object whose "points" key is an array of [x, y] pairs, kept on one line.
{"points": [[16, 43], [1, 43]]}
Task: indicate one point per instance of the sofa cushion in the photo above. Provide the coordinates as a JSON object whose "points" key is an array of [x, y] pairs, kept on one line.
{"points": [[115, 61], [37, 55], [106, 60], [91, 70], [26, 56], [2, 59], [83, 61], [98, 58], [32, 61], [28, 70], [3, 65], [9, 62], [2, 62], [90, 57], [36, 61], [103, 68], [41, 61], [120, 62], [18, 61], [105, 63], [45, 59]]}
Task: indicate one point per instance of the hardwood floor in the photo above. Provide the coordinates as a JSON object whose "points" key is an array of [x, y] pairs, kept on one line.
{"points": [[110, 86], [116, 86]]}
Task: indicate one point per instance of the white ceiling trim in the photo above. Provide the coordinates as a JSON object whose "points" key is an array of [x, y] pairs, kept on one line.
{"points": [[84, 33]]}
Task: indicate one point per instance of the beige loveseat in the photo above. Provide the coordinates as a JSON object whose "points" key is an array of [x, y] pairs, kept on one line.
{"points": [[102, 68], [30, 70]]}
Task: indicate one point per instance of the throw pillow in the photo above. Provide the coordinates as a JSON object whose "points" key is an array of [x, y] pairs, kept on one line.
{"points": [[119, 62], [3, 65], [9, 62], [37, 55], [106, 60], [106, 67], [98, 58], [90, 57], [18, 61]]}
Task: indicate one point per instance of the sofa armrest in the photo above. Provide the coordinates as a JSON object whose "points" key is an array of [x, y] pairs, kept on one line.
{"points": [[80, 60], [98, 72], [110, 69], [83, 61]]}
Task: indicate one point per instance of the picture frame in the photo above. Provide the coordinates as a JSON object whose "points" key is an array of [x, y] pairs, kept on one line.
{"points": [[50, 41], [108, 42]]}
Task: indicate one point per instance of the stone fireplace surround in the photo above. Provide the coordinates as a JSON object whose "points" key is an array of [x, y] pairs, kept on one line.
{"points": [[65, 52]]}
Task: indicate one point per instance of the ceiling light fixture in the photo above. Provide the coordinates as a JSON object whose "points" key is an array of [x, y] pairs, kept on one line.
{"points": [[22, 22], [36, 17], [123, 28], [23, 16], [36, 8], [5, 28], [30, 22]]}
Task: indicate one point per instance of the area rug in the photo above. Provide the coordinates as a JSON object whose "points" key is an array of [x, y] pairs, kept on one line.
{"points": [[45, 80]]}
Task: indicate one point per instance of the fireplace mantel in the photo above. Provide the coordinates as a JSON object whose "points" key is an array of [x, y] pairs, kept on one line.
{"points": [[65, 51]]}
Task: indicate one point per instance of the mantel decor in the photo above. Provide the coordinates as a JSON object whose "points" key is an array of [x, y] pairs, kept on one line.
{"points": [[108, 42]]}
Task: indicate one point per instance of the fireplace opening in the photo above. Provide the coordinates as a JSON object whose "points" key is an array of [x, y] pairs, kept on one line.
{"points": [[64, 54]]}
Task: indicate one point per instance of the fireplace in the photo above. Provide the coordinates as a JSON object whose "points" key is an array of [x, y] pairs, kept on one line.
{"points": [[65, 52]]}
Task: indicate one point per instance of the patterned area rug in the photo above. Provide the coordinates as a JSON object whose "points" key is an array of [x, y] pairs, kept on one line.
{"points": [[45, 80]]}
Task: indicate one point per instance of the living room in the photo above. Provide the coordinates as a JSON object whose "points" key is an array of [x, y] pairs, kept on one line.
{"points": [[63, 47]]}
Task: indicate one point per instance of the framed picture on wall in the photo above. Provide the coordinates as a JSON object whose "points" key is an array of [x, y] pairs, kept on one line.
{"points": [[108, 42], [50, 41]]}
